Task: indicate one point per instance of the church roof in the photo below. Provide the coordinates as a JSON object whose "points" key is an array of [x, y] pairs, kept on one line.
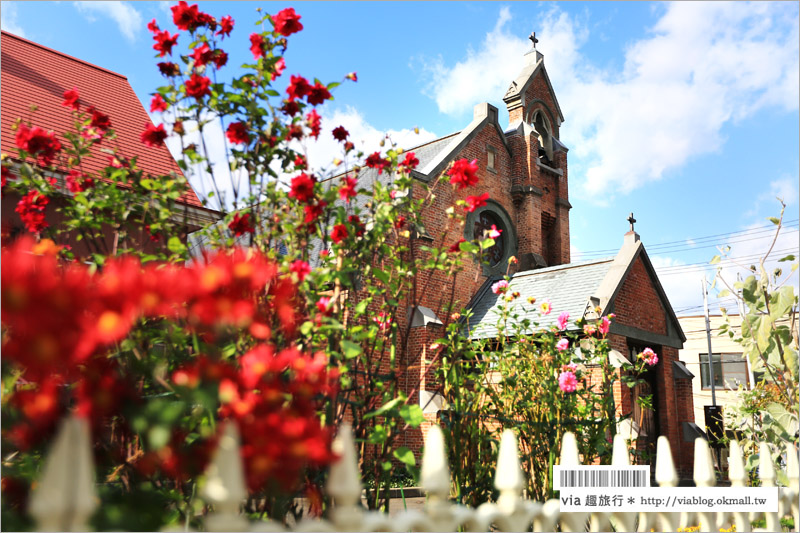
{"points": [[567, 287], [577, 288], [33, 74]]}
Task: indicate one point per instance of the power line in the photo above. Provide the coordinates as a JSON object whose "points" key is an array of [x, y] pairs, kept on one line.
{"points": [[699, 267], [671, 244]]}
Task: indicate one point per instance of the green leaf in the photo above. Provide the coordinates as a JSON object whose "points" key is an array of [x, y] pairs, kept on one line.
{"points": [[148, 184], [388, 406], [350, 349], [158, 436], [781, 301], [715, 260], [175, 245], [381, 275], [378, 435], [723, 293], [774, 220], [412, 414], [405, 456], [787, 258]]}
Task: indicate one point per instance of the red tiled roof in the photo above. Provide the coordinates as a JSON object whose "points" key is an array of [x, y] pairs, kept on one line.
{"points": [[34, 74]]}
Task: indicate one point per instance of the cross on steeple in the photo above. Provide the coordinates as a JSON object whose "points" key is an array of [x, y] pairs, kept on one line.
{"points": [[533, 39], [631, 220]]}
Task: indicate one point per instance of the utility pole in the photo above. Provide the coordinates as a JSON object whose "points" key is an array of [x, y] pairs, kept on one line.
{"points": [[740, 302], [708, 336]]}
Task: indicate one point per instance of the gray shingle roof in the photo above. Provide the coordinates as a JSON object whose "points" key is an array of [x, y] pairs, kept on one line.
{"points": [[567, 287]]}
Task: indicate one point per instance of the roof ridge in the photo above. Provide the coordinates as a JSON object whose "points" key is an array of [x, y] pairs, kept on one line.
{"points": [[345, 172], [27, 41], [565, 266]]}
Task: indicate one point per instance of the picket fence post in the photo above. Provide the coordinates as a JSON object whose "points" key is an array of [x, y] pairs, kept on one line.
{"points": [[66, 497]]}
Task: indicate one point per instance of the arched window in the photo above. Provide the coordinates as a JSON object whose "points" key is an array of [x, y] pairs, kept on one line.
{"points": [[542, 127], [483, 222]]}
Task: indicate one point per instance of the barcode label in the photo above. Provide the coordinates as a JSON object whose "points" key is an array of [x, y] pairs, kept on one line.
{"points": [[601, 476]]}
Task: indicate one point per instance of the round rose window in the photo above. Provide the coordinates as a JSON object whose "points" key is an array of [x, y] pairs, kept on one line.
{"points": [[485, 221]]}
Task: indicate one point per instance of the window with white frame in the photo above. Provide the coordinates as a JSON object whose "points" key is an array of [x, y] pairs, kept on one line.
{"points": [[730, 371]]}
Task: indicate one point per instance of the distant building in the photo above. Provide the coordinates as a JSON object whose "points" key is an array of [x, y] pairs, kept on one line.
{"points": [[33, 74], [731, 368]]}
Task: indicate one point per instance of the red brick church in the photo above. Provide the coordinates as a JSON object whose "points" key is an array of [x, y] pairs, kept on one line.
{"points": [[523, 167]]}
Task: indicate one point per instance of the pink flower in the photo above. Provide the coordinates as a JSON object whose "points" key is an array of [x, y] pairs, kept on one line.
{"points": [[589, 329], [567, 382], [649, 356], [383, 320], [562, 320], [562, 345], [323, 305], [570, 367], [301, 268], [604, 325], [494, 233], [546, 307], [500, 287]]}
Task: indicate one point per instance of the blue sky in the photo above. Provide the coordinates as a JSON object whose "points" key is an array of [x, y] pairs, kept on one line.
{"points": [[685, 113]]}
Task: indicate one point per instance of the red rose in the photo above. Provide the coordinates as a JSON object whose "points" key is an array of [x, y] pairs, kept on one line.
{"points": [[456, 247], [474, 202], [225, 26], [5, 175], [298, 87], [464, 173], [352, 76], [339, 233], [164, 42], [185, 17], [300, 162], [410, 161], [31, 210], [169, 69], [376, 161], [318, 94], [400, 222], [77, 181], [287, 22], [71, 99], [100, 120], [202, 55], [198, 86], [158, 104], [220, 58], [241, 224], [348, 189], [295, 132], [153, 26], [237, 133], [312, 212], [38, 142], [277, 69], [257, 45], [290, 108], [314, 122], [154, 135], [356, 222], [340, 134], [303, 188], [301, 268]]}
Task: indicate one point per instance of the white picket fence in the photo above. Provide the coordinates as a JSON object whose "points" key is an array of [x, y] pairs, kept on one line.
{"points": [[66, 497]]}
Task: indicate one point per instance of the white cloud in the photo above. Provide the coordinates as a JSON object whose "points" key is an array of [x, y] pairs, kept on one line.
{"points": [[482, 75], [320, 153], [575, 254], [700, 67], [128, 19], [365, 136], [8, 20]]}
